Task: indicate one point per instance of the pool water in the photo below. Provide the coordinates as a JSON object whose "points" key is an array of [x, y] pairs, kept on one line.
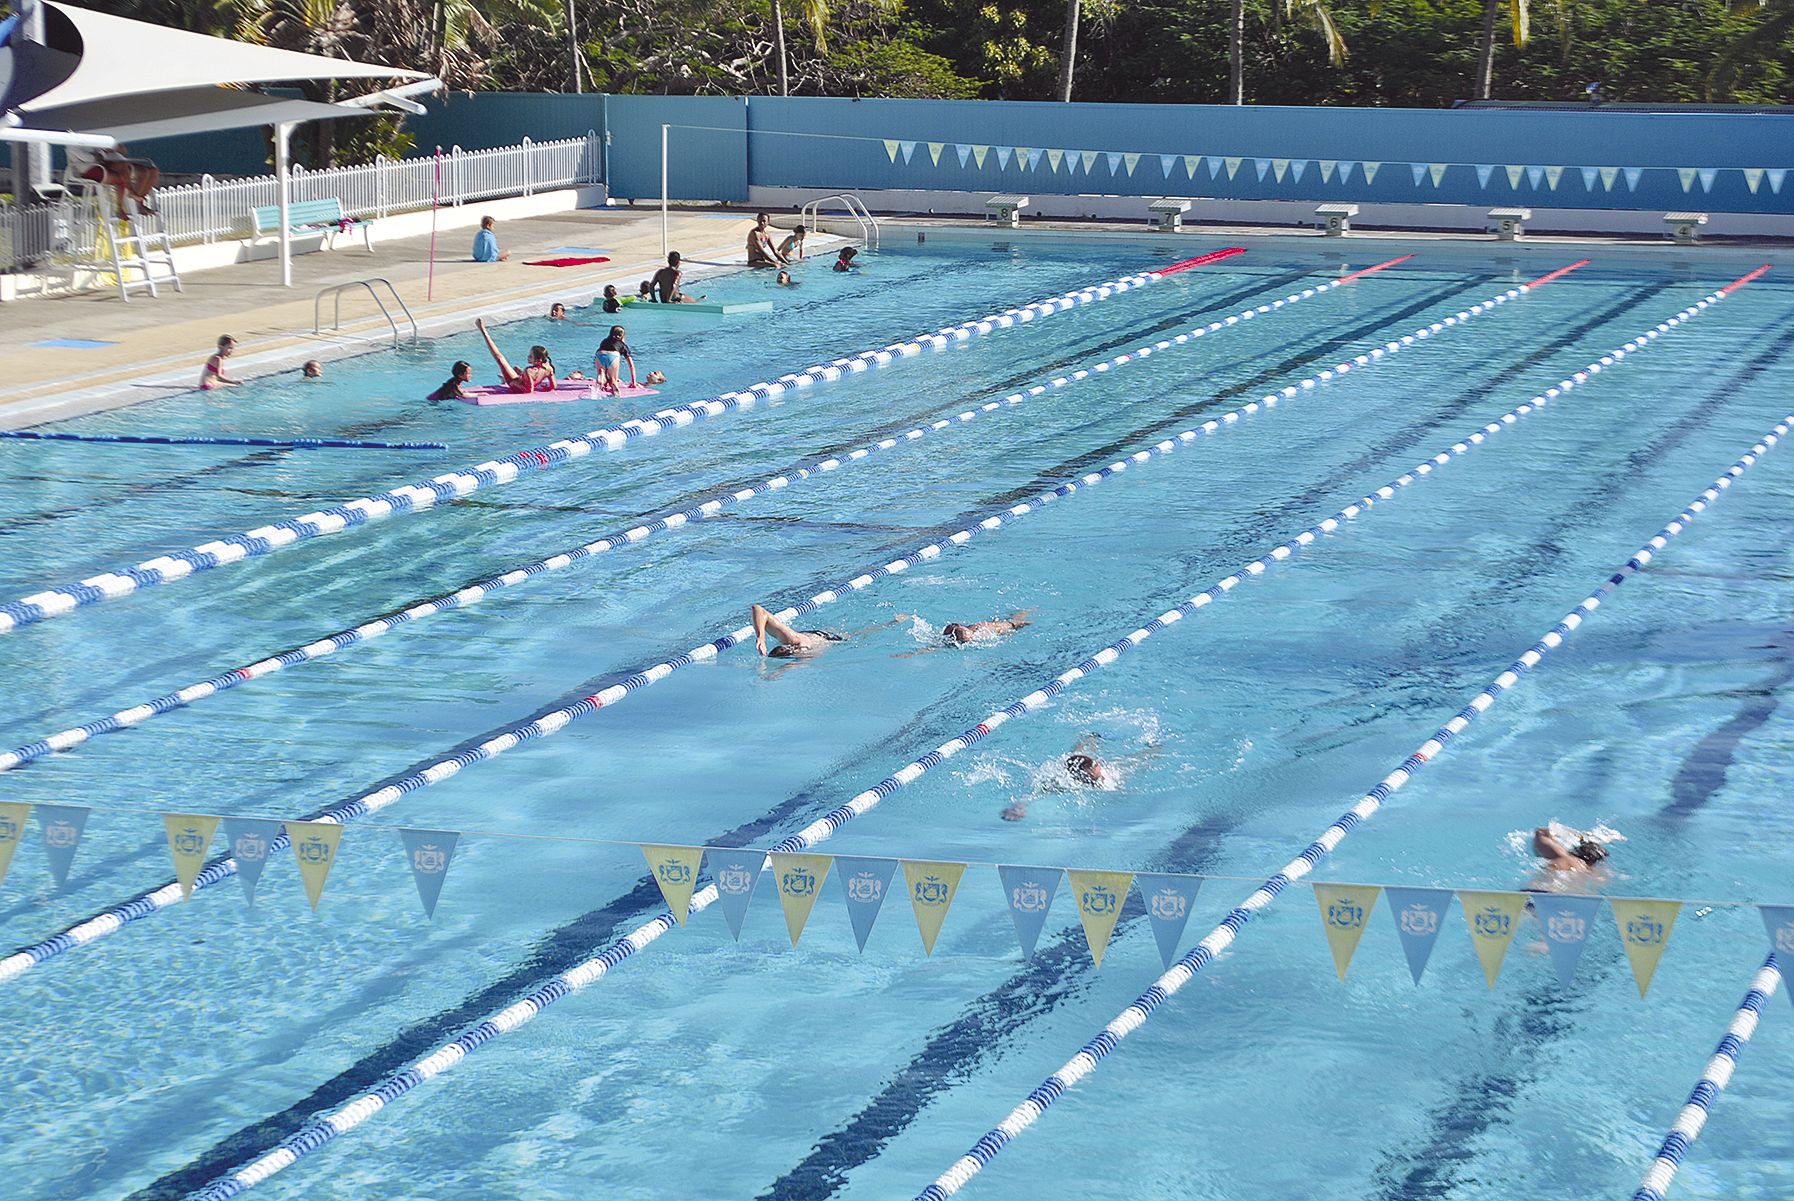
{"points": [[159, 1058]]}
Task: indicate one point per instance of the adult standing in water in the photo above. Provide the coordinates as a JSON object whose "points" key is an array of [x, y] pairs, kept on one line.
{"points": [[668, 282]]}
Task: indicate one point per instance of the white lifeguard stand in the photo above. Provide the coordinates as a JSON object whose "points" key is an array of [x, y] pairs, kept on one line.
{"points": [[107, 242]]}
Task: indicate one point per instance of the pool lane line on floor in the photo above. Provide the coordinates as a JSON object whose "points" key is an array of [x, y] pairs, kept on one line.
{"points": [[325, 1129], [425, 494], [1717, 1074], [476, 591], [145, 903], [1191, 964], [179, 440]]}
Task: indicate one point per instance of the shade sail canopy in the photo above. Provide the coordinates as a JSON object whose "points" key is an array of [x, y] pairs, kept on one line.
{"points": [[110, 57], [171, 114]]}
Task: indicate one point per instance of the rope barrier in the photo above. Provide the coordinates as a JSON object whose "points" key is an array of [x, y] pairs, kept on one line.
{"points": [[1718, 1074], [153, 900], [329, 1127], [171, 440], [1204, 953], [477, 591], [424, 494]]}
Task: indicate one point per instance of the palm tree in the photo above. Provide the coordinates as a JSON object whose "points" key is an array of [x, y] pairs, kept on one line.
{"points": [[1068, 54], [815, 15], [1520, 16], [1315, 11], [1755, 46]]}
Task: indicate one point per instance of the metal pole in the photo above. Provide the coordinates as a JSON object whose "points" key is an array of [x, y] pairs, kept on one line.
{"points": [[663, 189], [284, 191]]}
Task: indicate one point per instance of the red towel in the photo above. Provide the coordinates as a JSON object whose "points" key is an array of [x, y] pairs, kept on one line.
{"points": [[576, 262]]}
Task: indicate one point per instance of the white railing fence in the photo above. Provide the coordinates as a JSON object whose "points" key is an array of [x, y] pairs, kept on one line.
{"points": [[215, 210]]}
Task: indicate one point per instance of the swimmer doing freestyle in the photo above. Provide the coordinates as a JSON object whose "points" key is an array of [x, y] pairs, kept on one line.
{"points": [[801, 644]]}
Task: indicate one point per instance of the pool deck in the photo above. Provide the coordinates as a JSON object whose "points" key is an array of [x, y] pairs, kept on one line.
{"points": [[159, 343]]}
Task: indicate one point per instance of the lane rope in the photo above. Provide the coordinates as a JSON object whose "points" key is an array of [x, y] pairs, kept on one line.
{"points": [[1718, 1073], [425, 494], [153, 900], [331, 1126], [479, 590], [1221, 937], [176, 440]]}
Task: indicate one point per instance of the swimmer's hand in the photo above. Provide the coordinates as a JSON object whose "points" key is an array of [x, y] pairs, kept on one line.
{"points": [[760, 642]]}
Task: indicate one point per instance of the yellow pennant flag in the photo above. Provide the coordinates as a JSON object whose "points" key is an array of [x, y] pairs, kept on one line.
{"points": [[978, 153], [1327, 165], [934, 151], [1233, 166], [314, 846], [1552, 175], [1437, 171], [1644, 929], [1345, 909], [1753, 178], [1609, 174], [891, 149], [676, 871], [1280, 167], [799, 880], [1686, 175], [1191, 162], [1054, 158], [12, 829], [1132, 161], [189, 835], [1494, 918], [1100, 896], [1513, 177], [1370, 171], [932, 887]]}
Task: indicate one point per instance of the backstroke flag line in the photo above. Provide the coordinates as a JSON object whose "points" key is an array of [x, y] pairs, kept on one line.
{"points": [[864, 884], [249, 840], [429, 852], [1567, 921], [12, 829], [62, 826], [1419, 917], [314, 846], [1644, 931], [189, 836], [676, 872], [932, 887], [1029, 891], [1778, 920], [1345, 908], [799, 879], [1099, 896], [1168, 902], [1494, 918], [735, 872]]}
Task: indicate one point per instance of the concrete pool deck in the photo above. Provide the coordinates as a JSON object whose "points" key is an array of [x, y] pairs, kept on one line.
{"points": [[158, 345]]}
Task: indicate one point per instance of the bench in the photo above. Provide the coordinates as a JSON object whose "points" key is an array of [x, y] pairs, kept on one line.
{"points": [[1685, 228], [1170, 212], [1508, 225], [1006, 210], [1337, 218], [324, 217]]}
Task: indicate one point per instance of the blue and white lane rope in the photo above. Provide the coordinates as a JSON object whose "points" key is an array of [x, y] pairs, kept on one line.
{"points": [[1717, 1075], [151, 901], [331, 1126], [479, 590], [1221, 937], [174, 440], [424, 494]]}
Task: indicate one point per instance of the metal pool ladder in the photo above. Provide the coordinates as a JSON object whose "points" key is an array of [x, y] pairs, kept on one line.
{"points": [[317, 308], [856, 208]]}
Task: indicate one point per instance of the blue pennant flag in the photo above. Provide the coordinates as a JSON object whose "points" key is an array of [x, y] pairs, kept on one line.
{"points": [[1419, 916], [964, 152], [864, 883], [1261, 165], [1589, 175], [735, 872], [249, 840], [1166, 162], [429, 852], [1483, 171], [62, 826], [1345, 169], [1776, 176], [1029, 891], [1567, 922], [1419, 172], [1114, 157], [1632, 175], [908, 149], [1708, 175], [1214, 166], [1168, 903], [1034, 158], [1535, 176]]}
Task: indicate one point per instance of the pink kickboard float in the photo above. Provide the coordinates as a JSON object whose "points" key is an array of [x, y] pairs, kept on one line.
{"points": [[498, 394]]}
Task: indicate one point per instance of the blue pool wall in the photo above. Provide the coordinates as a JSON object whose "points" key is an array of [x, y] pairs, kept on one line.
{"points": [[728, 144]]}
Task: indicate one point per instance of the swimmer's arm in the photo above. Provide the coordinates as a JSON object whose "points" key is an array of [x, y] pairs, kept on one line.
{"points": [[1552, 851]]}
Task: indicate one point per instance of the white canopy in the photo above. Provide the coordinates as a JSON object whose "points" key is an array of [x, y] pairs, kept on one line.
{"points": [[120, 57]]}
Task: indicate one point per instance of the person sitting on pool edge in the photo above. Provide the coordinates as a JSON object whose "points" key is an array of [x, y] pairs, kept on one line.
{"points": [[453, 387], [212, 374], [760, 250], [538, 376], [845, 262]]}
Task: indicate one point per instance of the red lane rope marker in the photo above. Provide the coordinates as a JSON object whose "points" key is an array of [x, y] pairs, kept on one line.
{"points": [[1745, 279], [1346, 279], [1201, 260], [1557, 274]]}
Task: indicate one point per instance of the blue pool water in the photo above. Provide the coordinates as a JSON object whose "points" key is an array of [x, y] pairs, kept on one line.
{"points": [[154, 1060]]}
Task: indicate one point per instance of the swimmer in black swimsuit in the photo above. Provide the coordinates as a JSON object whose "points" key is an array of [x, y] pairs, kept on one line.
{"points": [[792, 644]]}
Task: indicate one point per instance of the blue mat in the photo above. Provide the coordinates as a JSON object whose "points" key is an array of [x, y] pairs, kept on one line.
{"points": [[73, 344], [574, 251]]}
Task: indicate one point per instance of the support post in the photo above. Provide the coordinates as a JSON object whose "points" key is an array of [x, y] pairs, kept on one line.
{"points": [[664, 248], [283, 133]]}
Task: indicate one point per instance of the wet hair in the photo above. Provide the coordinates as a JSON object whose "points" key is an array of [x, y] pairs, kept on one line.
{"points": [[1589, 851], [848, 252], [616, 331], [953, 631], [225, 341], [539, 354], [557, 307], [1084, 767], [673, 259], [646, 288], [799, 230], [461, 365], [312, 369], [610, 290]]}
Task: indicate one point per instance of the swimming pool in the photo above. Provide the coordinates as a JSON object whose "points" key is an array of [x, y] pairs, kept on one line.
{"points": [[155, 1060]]}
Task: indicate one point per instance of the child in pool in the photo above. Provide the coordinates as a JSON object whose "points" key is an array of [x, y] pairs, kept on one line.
{"points": [[538, 376], [613, 352], [612, 302], [212, 374], [454, 387]]}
